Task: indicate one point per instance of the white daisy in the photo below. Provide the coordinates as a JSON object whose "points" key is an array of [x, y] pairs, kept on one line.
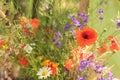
{"points": [[44, 72], [28, 48]]}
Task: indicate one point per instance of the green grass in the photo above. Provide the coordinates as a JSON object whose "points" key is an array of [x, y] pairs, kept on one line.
{"points": [[110, 12]]}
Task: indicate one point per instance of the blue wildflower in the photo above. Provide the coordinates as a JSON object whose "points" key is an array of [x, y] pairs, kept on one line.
{"points": [[58, 34], [56, 39], [84, 64], [68, 26], [110, 75], [76, 23], [81, 78], [101, 78], [118, 24], [98, 68], [59, 43], [83, 16], [101, 18], [101, 11], [71, 16]]}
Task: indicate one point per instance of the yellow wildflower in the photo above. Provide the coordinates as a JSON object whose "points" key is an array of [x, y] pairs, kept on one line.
{"points": [[55, 64], [40, 57], [45, 62], [4, 47]]}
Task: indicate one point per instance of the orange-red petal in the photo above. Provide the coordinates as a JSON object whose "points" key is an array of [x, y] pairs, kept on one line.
{"points": [[69, 64], [114, 45], [35, 23], [103, 49]]}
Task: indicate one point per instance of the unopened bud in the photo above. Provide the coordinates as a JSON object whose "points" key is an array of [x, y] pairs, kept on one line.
{"points": [[7, 1], [7, 13], [105, 29]]}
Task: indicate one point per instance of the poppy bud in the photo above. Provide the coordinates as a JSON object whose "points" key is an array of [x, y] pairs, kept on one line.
{"points": [[7, 13], [7, 1]]}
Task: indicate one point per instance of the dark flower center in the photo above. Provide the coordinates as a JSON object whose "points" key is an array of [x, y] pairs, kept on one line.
{"points": [[85, 36]]}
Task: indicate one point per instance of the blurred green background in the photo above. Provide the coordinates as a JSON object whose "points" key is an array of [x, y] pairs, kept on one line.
{"points": [[111, 9]]}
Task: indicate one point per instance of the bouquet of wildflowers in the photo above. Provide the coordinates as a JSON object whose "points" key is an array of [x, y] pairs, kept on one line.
{"points": [[33, 49]]}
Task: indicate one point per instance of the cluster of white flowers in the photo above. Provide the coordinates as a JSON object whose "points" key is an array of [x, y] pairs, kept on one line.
{"points": [[28, 48]]}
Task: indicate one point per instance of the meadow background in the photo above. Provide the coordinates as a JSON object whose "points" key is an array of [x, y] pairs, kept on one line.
{"points": [[58, 16]]}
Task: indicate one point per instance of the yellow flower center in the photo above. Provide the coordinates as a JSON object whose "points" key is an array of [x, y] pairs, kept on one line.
{"points": [[44, 73]]}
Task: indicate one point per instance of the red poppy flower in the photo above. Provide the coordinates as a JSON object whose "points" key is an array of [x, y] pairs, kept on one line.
{"points": [[35, 23], [114, 45], [86, 36], [23, 23], [47, 31], [25, 29], [53, 68], [2, 43], [103, 49], [24, 62], [69, 64]]}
